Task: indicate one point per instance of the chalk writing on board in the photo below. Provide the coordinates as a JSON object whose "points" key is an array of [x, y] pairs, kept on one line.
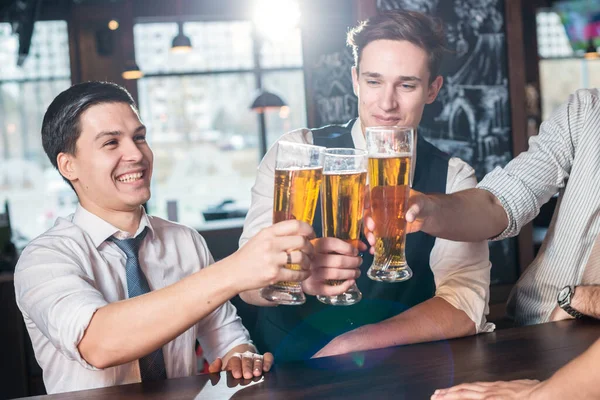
{"points": [[470, 118], [332, 87]]}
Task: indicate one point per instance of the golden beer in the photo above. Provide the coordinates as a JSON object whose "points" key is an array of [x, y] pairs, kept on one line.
{"points": [[342, 207], [389, 179], [295, 197]]}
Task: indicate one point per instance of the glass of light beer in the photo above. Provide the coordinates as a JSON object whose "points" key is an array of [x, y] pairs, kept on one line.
{"points": [[298, 174], [390, 154], [342, 207]]}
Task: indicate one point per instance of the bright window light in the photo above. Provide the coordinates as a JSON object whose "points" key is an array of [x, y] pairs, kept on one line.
{"points": [[276, 19]]}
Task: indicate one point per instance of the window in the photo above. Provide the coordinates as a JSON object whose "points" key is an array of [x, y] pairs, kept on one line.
{"points": [[206, 140], [561, 71], [34, 189]]}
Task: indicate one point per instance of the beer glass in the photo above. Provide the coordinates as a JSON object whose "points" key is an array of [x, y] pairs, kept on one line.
{"points": [[298, 174], [390, 154], [342, 206]]}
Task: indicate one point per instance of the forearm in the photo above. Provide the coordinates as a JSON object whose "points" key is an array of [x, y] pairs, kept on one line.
{"points": [[434, 319], [124, 331], [577, 380], [254, 298], [470, 215], [587, 300]]}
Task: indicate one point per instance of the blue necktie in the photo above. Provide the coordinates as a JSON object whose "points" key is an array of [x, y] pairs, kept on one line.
{"points": [[152, 366]]}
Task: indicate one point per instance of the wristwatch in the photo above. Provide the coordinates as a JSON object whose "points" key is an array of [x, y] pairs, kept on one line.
{"points": [[564, 301]]}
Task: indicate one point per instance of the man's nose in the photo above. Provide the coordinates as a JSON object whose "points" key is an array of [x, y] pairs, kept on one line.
{"points": [[388, 101]]}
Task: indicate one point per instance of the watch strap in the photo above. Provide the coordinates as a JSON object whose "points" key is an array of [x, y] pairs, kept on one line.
{"points": [[572, 312]]}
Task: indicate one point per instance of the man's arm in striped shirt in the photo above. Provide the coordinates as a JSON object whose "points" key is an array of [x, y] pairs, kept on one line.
{"points": [[471, 215]]}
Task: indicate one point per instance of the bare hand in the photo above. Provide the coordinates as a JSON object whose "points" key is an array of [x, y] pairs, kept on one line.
{"points": [[521, 389], [261, 261], [419, 206], [369, 228], [558, 314], [419, 209], [334, 259], [243, 365]]}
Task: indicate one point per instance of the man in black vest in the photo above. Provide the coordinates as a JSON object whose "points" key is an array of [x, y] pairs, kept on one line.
{"points": [[397, 60]]}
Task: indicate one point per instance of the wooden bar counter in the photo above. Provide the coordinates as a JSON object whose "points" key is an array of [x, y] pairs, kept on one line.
{"points": [[405, 372]]}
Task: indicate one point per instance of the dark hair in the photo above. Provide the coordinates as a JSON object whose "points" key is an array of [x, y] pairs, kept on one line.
{"points": [[60, 129], [419, 29]]}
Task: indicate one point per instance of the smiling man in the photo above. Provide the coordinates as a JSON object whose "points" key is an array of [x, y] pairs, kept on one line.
{"points": [[111, 295], [396, 73]]}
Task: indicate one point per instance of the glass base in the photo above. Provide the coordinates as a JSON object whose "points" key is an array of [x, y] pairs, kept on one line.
{"points": [[395, 274], [283, 295], [352, 296]]}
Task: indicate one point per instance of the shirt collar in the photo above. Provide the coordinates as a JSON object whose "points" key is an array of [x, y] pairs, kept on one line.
{"points": [[100, 230], [357, 136]]}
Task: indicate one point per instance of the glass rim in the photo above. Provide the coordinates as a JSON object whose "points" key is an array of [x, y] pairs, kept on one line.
{"points": [[389, 128], [285, 142], [331, 151]]}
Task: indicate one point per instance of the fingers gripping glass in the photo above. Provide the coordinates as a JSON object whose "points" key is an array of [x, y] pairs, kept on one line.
{"points": [[390, 158], [298, 174], [342, 206]]}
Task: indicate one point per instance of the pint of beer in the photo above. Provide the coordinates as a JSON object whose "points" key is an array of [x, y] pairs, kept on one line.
{"points": [[342, 206], [390, 155], [298, 175]]}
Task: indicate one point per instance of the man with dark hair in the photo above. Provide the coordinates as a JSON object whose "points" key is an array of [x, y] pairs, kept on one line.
{"points": [[111, 295], [398, 56]]}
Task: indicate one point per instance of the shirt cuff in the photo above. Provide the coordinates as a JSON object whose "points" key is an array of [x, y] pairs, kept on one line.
{"points": [[499, 179], [221, 331], [75, 329]]}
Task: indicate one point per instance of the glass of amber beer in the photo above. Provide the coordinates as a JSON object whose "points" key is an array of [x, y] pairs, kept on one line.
{"points": [[298, 174], [390, 154], [342, 206]]}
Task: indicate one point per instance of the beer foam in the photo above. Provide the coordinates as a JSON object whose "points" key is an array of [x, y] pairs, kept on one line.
{"points": [[294, 168], [362, 171], [390, 155]]}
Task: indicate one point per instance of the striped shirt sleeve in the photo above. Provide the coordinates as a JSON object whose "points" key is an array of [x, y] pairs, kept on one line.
{"points": [[532, 178]]}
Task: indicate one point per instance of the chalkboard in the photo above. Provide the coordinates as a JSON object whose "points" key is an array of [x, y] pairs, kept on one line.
{"points": [[470, 118], [327, 64], [333, 96]]}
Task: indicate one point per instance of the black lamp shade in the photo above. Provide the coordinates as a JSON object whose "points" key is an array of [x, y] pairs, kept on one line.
{"points": [[181, 42], [266, 100], [132, 71]]}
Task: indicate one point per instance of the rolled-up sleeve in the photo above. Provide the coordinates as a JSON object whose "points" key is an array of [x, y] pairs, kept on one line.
{"points": [[461, 270], [56, 294], [532, 178]]}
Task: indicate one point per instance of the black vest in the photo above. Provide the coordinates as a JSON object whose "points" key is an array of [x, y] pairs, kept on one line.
{"points": [[298, 332]]}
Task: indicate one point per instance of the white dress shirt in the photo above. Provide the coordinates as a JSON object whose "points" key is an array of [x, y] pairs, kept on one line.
{"points": [[461, 270], [70, 271], [563, 158]]}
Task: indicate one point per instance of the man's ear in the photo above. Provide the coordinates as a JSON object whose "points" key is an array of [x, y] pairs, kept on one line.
{"points": [[355, 81], [67, 166], [434, 89]]}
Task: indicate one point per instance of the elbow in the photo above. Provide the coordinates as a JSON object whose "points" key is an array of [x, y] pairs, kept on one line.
{"points": [[96, 356], [470, 328]]}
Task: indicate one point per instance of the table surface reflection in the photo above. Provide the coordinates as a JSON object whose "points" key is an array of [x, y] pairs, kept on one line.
{"points": [[405, 372]]}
